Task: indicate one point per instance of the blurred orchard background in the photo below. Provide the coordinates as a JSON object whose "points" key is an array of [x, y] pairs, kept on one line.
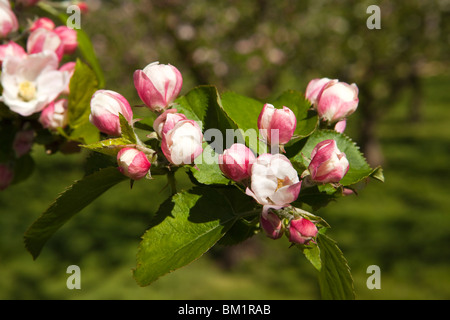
{"points": [[261, 48]]}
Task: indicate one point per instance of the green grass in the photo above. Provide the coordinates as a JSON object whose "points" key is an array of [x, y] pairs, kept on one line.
{"points": [[402, 225]]}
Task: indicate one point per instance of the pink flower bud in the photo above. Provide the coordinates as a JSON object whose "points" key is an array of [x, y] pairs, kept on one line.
{"points": [[166, 121], [23, 141], [302, 231], [83, 7], [41, 40], [43, 22], [328, 164], [158, 85], [274, 181], [340, 125], [8, 20], [183, 143], [337, 100], [271, 223], [314, 88], [11, 49], [133, 163], [68, 37], [236, 162], [69, 67], [276, 126], [55, 115], [105, 108], [6, 176]]}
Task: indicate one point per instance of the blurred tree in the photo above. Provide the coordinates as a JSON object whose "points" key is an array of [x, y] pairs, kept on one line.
{"points": [[260, 48]]}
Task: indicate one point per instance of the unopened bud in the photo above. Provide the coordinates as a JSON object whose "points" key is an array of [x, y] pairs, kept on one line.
{"points": [[236, 162], [158, 85], [328, 164], [302, 231], [133, 163]]}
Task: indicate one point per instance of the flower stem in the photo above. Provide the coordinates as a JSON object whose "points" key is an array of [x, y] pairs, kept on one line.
{"points": [[172, 182]]}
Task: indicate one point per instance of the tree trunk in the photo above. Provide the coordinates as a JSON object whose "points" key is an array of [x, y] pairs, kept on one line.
{"points": [[415, 114]]}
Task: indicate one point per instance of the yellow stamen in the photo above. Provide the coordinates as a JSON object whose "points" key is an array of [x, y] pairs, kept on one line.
{"points": [[280, 184], [27, 91]]}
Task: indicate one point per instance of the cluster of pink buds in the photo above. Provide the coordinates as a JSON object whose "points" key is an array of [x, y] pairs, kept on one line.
{"points": [[277, 221], [272, 180], [45, 36], [157, 85], [334, 100]]}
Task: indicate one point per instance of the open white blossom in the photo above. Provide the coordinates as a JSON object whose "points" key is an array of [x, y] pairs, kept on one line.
{"points": [[30, 83]]}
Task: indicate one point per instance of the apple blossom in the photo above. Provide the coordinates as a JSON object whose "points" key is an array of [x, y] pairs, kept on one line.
{"points": [[42, 22], [183, 143], [236, 162], [32, 82], [336, 101], [328, 164], [166, 121], [105, 108], [8, 20], [42, 39], [133, 163], [55, 115], [70, 68], [68, 38], [276, 126], [302, 231], [314, 88], [11, 49], [271, 223], [274, 181], [158, 85]]}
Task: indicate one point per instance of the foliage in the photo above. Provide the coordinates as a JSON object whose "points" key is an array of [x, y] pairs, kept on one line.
{"points": [[217, 210]]}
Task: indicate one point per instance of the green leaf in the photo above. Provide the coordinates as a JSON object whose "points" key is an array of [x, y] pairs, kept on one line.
{"points": [[184, 228], [359, 168], [204, 104], [109, 146], [83, 85], [86, 133], [145, 123], [68, 203], [87, 50], [244, 113], [312, 253], [96, 161], [315, 198], [239, 232], [206, 169], [127, 130], [335, 279]]}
